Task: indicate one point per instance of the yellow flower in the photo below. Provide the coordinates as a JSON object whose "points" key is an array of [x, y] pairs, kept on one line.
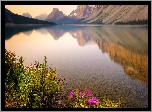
{"points": [[22, 75], [81, 105], [48, 75], [53, 74], [56, 68]]}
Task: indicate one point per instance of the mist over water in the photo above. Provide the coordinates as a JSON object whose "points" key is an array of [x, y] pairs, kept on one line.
{"points": [[108, 60]]}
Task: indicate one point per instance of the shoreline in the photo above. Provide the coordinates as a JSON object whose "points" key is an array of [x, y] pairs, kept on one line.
{"points": [[20, 25], [98, 25], [12, 25]]}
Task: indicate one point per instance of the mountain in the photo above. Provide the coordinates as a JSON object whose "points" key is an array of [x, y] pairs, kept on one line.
{"points": [[65, 20], [97, 7], [58, 17], [82, 11], [18, 19], [27, 15], [55, 15], [41, 17], [118, 14], [102, 14]]}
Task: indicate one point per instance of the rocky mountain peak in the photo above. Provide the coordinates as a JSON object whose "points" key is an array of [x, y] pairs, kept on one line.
{"points": [[82, 7], [55, 10], [97, 7], [41, 16], [55, 15], [82, 11], [27, 15]]}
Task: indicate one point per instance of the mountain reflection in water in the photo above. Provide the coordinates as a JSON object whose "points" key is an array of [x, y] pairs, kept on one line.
{"points": [[126, 45]]}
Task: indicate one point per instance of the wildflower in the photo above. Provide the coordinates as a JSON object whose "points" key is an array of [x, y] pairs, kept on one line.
{"points": [[71, 94], [88, 92], [48, 74], [81, 91], [56, 68], [81, 105], [86, 107], [53, 74], [84, 95], [90, 101], [93, 100], [96, 102]]}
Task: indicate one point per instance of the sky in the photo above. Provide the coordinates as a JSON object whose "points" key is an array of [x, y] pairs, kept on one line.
{"points": [[36, 10]]}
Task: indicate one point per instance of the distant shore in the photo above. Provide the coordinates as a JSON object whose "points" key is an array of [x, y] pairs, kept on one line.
{"points": [[19, 25], [12, 25]]}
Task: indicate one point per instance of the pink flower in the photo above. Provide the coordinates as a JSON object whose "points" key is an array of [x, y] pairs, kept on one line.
{"points": [[96, 102], [84, 95], [90, 101], [81, 91], [93, 100], [71, 94], [88, 92]]}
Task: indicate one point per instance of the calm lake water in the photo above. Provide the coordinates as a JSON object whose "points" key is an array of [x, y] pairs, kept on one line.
{"points": [[108, 60]]}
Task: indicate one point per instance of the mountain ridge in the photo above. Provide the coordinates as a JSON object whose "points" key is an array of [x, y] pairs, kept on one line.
{"points": [[27, 15], [113, 14], [99, 14], [59, 17], [55, 15], [41, 16], [11, 18]]}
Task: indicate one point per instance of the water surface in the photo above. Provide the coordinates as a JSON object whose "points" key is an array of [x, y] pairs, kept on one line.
{"points": [[108, 60]]}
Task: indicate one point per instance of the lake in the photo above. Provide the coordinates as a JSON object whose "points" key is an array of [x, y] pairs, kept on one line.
{"points": [[108, 60]]}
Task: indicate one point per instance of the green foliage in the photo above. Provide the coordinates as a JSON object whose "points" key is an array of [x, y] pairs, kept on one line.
{"points": [[29, 87], [84, 99]]}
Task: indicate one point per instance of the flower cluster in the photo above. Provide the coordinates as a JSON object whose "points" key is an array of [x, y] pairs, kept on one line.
{"points": [[84, 99], [93, 100]]}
